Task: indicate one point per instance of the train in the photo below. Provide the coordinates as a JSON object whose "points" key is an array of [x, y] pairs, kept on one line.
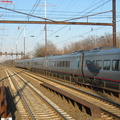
{"points": [[101, 63]]}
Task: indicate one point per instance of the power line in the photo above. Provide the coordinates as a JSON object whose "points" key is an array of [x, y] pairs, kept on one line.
{"points": [[88, 15], [26, 14]]}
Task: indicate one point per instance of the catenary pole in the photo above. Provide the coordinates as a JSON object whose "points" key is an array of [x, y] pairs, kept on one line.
{"points": [[114, 23]]}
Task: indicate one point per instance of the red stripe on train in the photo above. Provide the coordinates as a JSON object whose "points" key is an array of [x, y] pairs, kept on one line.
{"points": [[89, 76]]}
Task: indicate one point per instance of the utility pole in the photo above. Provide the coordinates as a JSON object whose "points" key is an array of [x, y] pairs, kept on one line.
{"points": [[23, 30], [16, 48], [24, 43], [1, 45], [46, 42], [45, 28], [114, 22]]}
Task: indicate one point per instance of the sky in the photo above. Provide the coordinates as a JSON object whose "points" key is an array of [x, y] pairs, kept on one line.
{"points": [[12, 35]]}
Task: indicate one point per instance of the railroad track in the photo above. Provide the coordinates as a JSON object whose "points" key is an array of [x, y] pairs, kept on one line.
{"points": [[36, 105], [110, 110]]}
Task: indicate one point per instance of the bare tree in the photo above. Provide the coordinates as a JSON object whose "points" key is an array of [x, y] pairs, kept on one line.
{"points": [[40, 51], [52, 49], [91, 42], [27, 56], [118, 40]]}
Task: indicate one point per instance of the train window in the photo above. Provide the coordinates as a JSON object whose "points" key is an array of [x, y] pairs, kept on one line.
{"points": [[50, 63], [28, 62], [63, 63], [119, 65], [55, 63], [94, 62], [35, 63], [106, 65], [99, 64], [78, 64], [68, 63], [116, 65], [60, 63]]}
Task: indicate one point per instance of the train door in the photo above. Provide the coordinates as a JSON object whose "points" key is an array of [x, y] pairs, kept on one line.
{"points": [[81, 64], [31, 63]]}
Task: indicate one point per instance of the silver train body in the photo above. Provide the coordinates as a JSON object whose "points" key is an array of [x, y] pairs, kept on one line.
{"points": [[99, 63]]}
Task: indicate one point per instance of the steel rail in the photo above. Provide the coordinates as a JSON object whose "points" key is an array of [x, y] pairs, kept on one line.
{"points": [[94, 111], [62, 92], [49, 102], [22, 97], [114, 103], [100, 87]]}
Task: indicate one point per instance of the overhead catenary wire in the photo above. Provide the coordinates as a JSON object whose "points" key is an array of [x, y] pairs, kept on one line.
{"points": [[88, 15], [92, 10], [66, 25], [31, 12], [62, 28], [26, 14]]}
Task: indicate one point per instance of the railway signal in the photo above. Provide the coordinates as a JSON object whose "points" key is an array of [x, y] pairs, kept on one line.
{"points": [[6, 53], [6, 2]]}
